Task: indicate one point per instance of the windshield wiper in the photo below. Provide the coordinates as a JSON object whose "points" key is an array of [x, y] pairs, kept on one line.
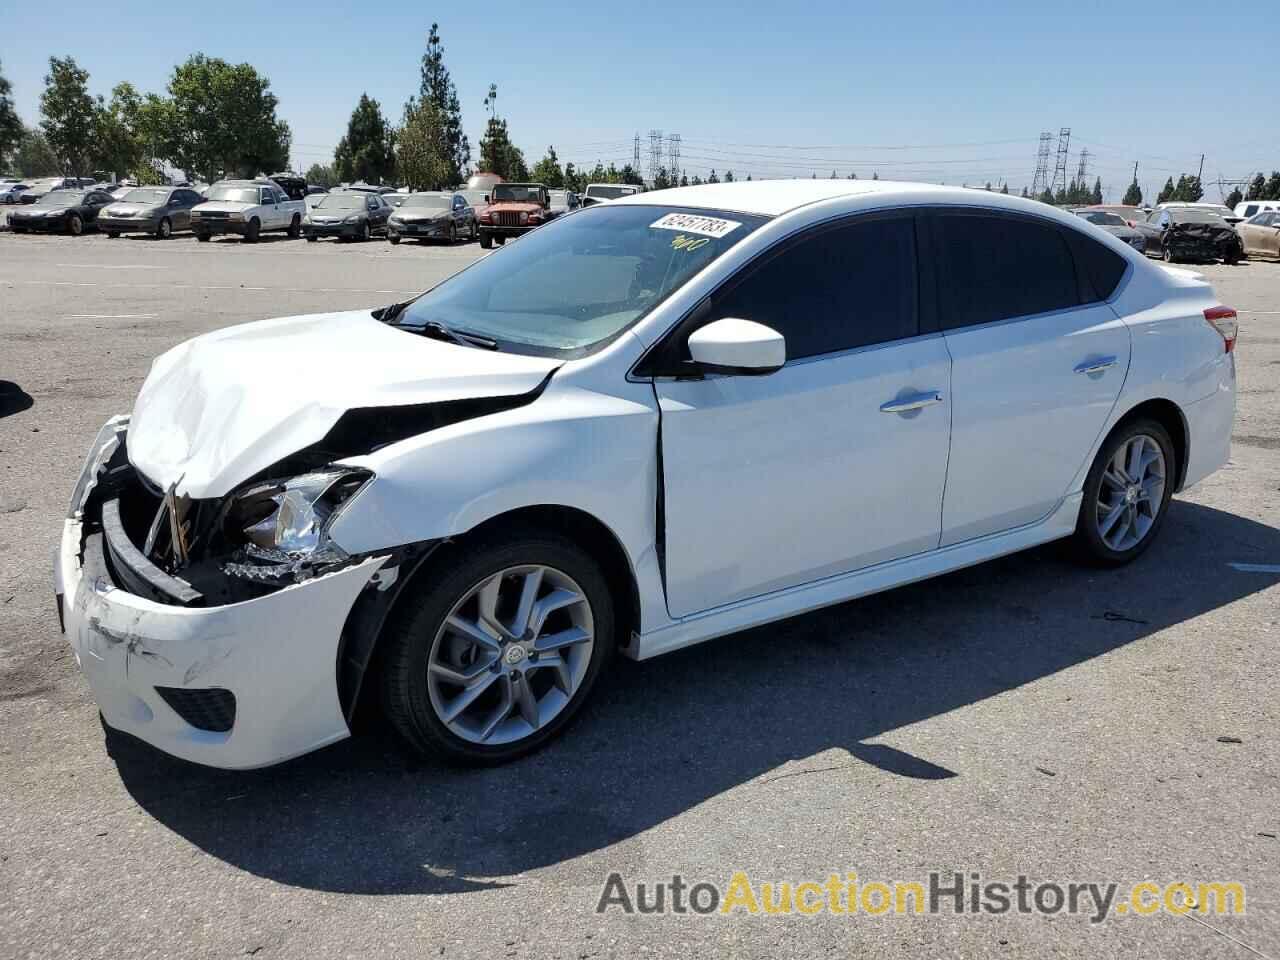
{"points": [[439, 331]]}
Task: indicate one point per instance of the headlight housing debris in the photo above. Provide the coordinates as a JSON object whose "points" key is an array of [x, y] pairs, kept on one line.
{"points": [[283, 526]]}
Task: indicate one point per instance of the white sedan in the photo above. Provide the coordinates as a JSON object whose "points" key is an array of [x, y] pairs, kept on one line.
{"points": [[658, 421]]}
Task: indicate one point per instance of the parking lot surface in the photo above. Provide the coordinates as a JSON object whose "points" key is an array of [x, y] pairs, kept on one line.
{"points": [[1024, 717]]}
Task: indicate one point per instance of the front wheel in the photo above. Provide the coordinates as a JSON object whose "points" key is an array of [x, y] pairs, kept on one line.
{"points": [[253, 230], [204, 237], [1126, 494], [1167, 255], [75, 226], [365, 232], [295, 227], [453, 233], [500, 650], [393, 240], [165, 230], [475, 231], [113, 234], [486, 241]]}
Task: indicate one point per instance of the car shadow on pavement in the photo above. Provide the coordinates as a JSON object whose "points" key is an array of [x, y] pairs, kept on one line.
{"points": [[663, 736], [13, 399]]}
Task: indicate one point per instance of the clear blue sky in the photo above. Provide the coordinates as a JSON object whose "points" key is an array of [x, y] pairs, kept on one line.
{"points": [[800, 88]]}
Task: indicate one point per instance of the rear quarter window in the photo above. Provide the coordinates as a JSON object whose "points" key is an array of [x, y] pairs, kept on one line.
{"points": [[1100, 269]]}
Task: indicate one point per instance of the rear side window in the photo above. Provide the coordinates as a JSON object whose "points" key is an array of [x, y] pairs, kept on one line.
{"points": [[1100, 268], [844, 287], [996, 268]]}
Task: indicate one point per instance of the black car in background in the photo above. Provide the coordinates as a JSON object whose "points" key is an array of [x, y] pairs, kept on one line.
{"points": [[1188, 232], [1116, 226], [61, 211]]}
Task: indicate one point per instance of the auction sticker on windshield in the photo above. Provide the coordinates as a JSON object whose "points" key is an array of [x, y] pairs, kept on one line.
{"points": [[712, 227]]}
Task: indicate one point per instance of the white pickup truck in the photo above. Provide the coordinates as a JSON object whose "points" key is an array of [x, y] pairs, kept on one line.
{"points": [[248, 208], [600, 192]]}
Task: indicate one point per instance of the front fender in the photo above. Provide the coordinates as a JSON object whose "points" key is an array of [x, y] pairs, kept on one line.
{"points": [[571, 447]]}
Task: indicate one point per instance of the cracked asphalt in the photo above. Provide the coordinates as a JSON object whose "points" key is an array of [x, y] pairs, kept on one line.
{"points": [[1025, 717]]}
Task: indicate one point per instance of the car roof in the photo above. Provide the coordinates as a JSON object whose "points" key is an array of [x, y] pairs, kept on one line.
{"points": [[774, 197]]}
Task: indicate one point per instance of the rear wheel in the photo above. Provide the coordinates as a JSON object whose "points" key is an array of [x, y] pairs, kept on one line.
{"points": [[164, 230], [1126, 494], [75, 226], [475, 231], [501, 649], [113, 234]]}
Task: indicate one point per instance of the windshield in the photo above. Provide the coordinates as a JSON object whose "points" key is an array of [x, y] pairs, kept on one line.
{"points": [[580, 281], [1103, 218], [609, 192], [474, 197], [234, 194], [428, 201], [1196, 215], [341, 201], [520, 192], [146, 196], [61, 198]]}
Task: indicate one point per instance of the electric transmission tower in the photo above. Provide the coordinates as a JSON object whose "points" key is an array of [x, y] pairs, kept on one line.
{"points": [[1082, 171], [1060, 167], [1041, 180], [655, 154], [673, 159], [635, 160]]}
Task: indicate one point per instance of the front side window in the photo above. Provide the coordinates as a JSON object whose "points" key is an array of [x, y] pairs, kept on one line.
{"points": [[995, 268], [842, 287], [576, 283]]}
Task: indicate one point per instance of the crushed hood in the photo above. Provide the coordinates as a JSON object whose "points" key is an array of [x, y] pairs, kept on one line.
{"points": [[222, 407]]}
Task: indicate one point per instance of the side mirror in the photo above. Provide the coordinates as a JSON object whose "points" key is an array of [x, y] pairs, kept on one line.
{"points": [[738, 348], [486, 198]]}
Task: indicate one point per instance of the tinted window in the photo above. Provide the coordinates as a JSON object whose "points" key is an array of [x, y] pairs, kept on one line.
{"points": [[994, 268], [840, 288], [1100, 268]]}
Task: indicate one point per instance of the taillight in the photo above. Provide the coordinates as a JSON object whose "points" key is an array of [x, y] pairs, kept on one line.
{"points": [[1223, 319]]}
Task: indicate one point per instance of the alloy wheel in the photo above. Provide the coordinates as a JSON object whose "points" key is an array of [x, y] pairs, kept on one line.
{"points": [[1131, 493], [510, 655]]}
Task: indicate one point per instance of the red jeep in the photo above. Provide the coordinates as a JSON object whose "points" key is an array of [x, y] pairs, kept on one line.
{"points": [[514, 208]]}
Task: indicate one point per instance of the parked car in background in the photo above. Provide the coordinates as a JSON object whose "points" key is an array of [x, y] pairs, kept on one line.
{"points": [[1184, 231], [1250, 208], [294, 185], [616, 438], [1130, 215], [12, 192], [60, 211], [598, 192], [432, 216], [562, 202], [1221, 209], [1115, 225], [1260, 235], [313, 189], [248, 208], [477, 199], [514, 209], [346, 215], [155, 210]]}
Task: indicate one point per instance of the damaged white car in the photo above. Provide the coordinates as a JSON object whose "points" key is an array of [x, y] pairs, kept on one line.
{"points": [[654, 422]]}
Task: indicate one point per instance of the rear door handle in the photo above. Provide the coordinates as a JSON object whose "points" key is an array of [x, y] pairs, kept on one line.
{"points": [[907, 404], [1096, 366]]}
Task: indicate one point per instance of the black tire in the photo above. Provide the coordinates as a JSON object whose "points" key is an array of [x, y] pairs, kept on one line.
{"points": [[475, 230], [164, 230], [253, 231], [113, 234], [1088, 542], [75, 226], [453, 233], [486, 241], [409, 636], [500, 239], [365, 232], [394, 241], [204, 237], [312, 238], [1166, 254], [295, 227]]}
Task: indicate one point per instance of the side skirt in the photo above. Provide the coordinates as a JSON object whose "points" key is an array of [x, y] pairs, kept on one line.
{"points": [[860, 583]]}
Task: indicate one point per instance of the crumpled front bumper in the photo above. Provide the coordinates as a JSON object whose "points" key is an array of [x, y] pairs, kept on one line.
{"points": [[275, 654]]}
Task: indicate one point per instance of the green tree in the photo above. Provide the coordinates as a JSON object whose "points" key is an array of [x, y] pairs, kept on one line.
{"points": [[322, 175], [1004, 188], [684, 180], [1046, 197], [422, 148], [1234, 198], [222, 120], [499, 155], [366, 152], [10, 126], [572, 179], [696, 181], [437, 86], [662, 180], [68, 115], [547, 171], [118, 142], [728, 176], [1133, 196], [1096, 196], [712, 178], [1025, 194], [1166, 192], [626, 175], [1257, 187], [34, 157], [1272, 191], [1188, 189]]}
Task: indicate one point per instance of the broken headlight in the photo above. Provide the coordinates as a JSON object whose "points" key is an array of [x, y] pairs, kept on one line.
{"points": [[283, 526]]}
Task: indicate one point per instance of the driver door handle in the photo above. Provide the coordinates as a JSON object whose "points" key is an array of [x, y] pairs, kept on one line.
{"points": [[907, 404], [1096, 366]]}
